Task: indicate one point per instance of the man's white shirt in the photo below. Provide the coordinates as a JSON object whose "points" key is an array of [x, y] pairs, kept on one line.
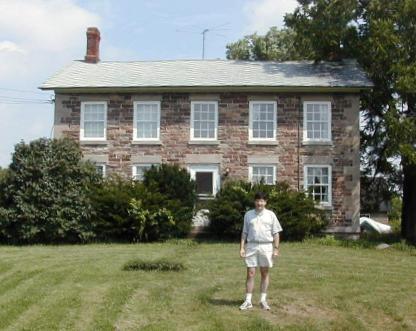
{"points": [[260, 227]]}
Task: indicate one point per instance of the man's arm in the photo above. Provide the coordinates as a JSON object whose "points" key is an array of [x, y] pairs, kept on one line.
{"points": [[243, 237], [276, 243], [242, 243]]}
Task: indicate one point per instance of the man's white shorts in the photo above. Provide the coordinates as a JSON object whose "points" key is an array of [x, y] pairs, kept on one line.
{"points": [[259, 255]]}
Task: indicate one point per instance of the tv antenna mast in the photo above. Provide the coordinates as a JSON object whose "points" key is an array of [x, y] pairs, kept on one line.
{"points": [[214, 30]]}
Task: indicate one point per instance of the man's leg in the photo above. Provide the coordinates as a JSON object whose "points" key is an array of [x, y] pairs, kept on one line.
{"points": [[263, 287], [251, 272], [264, 279]]}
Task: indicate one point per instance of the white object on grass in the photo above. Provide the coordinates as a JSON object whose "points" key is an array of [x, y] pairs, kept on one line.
{"points": [[370, 224]]}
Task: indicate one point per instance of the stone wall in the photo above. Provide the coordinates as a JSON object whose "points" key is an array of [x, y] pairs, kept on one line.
{"points": [[233, 150]]}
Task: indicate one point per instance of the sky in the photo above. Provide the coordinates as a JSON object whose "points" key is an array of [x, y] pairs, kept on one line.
{"points": [[39, 37]]}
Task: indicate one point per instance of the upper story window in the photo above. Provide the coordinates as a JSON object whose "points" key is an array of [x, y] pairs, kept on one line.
{"points": [[317, 181], [146, 120], [93, 120], [263, 115], [262, 173], [317, 121], [204, 120]]}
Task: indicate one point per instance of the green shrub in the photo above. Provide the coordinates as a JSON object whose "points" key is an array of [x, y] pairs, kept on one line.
{"points": [[158, 265], [395, 214], [151, 225], [45, 194], [171, 187], [111, 202], [296, 212], [160, 207]]}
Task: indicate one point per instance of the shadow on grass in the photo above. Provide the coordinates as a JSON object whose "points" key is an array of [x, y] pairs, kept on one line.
{"points": [[224, 302]]}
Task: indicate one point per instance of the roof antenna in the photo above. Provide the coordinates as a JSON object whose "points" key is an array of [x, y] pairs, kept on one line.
{"points": [[221, 27]]}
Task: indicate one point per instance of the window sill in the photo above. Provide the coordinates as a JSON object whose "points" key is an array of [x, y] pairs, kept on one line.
{"points": [[263, 142], [206, 197], [146, 142], [203, 142], [324, 207], [93, 142], [314, 143]]}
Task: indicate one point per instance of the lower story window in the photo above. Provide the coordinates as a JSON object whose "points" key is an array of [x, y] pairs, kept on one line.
{"points": [[262, 173], [318, 183], [207, 179], [100, 168], [139, 170]]}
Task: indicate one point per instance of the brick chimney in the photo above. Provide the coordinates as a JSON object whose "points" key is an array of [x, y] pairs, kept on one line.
{"points": [[93, 45]]}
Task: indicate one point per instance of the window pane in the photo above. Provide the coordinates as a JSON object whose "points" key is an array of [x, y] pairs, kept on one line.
{"points": [[317, 181], [204, 183], [94, 129], [100, 169], [264, 173], [204, 120], [147, 120]]}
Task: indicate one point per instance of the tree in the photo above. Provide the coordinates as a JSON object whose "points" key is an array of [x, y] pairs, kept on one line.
{"points": [[277, 45], [45, 194], [380, 35]]}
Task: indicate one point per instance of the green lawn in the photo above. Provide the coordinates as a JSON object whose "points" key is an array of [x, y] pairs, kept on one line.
{"points": [[313, 287]]}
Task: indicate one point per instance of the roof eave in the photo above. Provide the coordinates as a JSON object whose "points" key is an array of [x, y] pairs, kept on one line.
{"points": [[166, 89]]}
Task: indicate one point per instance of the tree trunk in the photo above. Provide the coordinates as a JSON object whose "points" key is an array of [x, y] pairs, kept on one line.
{"points": [[408, 228]]}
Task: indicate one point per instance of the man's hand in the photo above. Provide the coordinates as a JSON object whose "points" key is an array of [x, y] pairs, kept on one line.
{"points": [[242, 252], [275, 252]]}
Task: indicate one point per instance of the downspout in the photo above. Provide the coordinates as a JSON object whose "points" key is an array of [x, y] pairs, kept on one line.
{"points": [[299, 118]]}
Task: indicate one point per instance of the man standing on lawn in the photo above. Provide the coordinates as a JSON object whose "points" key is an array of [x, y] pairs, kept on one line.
{"points": [[259, 245]]}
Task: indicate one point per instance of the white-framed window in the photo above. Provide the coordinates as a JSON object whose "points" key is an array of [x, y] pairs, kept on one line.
{"points": [[207, 179], [262, 172], [318, 181], [101, 169], [317, 121], [146, 120], [139, 169], [262, 120], [93, 120], [204, 120]]}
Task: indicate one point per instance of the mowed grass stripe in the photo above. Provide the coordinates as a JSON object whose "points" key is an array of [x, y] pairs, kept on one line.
{"points": [[28, 297], [314, 287]]}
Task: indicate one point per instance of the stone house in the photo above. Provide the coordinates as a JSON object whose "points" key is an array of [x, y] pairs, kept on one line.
{"points": [[280, 121]]}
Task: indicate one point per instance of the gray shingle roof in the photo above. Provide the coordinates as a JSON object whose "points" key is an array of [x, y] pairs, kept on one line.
{"points": [[208, 73]]}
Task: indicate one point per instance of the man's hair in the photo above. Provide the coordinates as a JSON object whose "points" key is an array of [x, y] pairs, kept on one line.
{"points": [[260, 195]]}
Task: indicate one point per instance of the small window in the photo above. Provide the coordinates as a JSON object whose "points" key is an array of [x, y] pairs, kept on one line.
{"points": [[100, 168], [263, 115], [204, 183], [139, 170], [204, 120], [317, 121], [262, 173], [207, 179], [93, 121], [318, 183], [146, 120]]}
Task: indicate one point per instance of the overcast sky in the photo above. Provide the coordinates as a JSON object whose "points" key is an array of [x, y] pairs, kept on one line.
{"points": [[38, 37]]}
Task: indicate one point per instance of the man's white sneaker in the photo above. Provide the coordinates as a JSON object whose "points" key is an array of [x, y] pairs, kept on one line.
{"points": [[246, 305], [264, 305]]}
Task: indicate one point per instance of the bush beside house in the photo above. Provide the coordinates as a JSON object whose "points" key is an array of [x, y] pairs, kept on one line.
{"points": [[45, 194], [159, 208], [295, 210], [49, 195]]}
